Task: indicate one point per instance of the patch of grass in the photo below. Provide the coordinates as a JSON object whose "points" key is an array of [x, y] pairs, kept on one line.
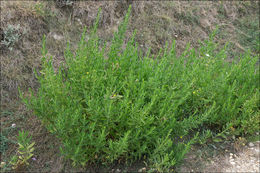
{"points": [[3, 143], [221, 11], [188, 18], [249, 33], [41, 10], [5, 131], [128, 106]]}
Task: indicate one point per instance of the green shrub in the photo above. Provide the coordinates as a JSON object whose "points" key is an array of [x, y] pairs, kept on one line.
{"points": [[128, 106], [25, 151], [11, 36], [250, 119]]}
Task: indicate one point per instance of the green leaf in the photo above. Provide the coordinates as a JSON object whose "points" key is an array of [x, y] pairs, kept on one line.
{"points": [[31, 145], [31, 150], [29, 156], [21, 146], [20, 152], [217, 140]]}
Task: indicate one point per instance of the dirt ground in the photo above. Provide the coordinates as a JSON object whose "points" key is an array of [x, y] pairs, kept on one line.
{"points": [[223, 158], [24, 24]]}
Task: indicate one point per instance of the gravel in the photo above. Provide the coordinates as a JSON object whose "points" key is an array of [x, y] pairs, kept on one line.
{"points": [[247, 159]]}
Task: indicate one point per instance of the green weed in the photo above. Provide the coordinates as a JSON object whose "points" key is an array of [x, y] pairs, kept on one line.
{"points": [[25, 151], [129, 107], [41, 10]]}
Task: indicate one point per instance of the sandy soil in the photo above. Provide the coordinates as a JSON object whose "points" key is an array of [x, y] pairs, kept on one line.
{"points": [[244, 160]]}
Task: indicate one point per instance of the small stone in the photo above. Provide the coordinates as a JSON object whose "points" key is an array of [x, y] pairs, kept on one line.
{"points": [[231, 154], [231, 160], [117, 170], [2, 164], [143, 169], [232, 163], [79, 21], [251, 144], [57, 37], [140, 170], [252, 159]]}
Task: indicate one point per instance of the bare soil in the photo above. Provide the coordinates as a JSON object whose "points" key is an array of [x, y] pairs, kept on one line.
{"points": [[224, 157]]}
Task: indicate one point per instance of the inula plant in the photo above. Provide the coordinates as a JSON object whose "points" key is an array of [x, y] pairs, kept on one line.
{"points": [[108, 103]]}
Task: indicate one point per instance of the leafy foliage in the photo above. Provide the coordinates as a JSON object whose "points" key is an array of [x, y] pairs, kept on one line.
{"points": [[25, 150], [11, 36], [129, 106]]}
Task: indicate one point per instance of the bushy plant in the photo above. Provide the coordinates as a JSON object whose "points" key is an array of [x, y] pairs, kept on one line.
{"points": [[25, 151], [250, 119], [64, 3], [122, 105], [11, 36], [41, 9]]}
